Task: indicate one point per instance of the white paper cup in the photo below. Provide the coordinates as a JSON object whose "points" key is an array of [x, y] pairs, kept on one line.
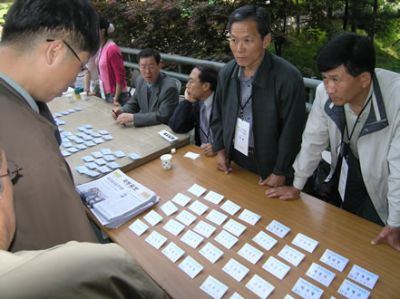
{"points": [[166, 161], [84, 95]]}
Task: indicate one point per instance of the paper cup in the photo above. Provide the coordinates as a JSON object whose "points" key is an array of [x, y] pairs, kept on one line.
{"points": [[84, 95], [166, 161]]}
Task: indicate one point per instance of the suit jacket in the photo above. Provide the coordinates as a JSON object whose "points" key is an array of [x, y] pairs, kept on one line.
{"points": [[278, 108], [159, 108], [48, 209], [186, 117]]}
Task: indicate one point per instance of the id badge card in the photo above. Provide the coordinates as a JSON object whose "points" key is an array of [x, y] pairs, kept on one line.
{"points": [[242, 136], [102, 93], [344, 171]]}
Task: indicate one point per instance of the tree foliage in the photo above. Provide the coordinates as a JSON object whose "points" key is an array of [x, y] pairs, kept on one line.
{"points": [[300, 27]]}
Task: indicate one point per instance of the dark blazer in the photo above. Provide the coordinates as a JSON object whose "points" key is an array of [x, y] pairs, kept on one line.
{"points": [[159, 108], [278, 107], [186, 117]]}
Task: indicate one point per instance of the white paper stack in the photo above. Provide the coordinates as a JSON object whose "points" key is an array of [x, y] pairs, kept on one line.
{"points": [[116, 198]]}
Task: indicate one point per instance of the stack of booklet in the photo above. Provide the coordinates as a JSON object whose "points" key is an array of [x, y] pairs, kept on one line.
{"points": [[116, 198]]}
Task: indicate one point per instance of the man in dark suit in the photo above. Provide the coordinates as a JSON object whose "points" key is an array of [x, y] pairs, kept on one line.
{"points": [[195, 111], [156, 95]]}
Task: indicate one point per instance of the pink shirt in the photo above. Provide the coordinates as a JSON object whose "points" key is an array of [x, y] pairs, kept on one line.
{"points": [[111, 66]]}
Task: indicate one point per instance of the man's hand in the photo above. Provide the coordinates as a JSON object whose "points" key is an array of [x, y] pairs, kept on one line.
{"points": [[273, 180], [222, 163], [125, 119], [388, 235], [115, 113], [207, 149], [284, 193], [188, 97]]}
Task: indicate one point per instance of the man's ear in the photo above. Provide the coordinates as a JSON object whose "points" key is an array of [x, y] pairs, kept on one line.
{"points": [[53, 51], [267, 40], [365, 79], [206, 86]]}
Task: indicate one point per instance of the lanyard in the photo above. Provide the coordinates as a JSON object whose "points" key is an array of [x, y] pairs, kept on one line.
{"points": [[357, 119], [242, 107]]}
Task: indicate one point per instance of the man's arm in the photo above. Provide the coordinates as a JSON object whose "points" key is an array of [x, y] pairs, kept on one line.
{"points": [[182, 120], [168, 101], [7, 215]]}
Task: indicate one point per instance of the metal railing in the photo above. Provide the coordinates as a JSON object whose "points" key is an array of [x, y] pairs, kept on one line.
{"points": [[130, 58]]}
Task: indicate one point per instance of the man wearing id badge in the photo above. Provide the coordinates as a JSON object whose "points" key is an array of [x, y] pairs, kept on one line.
{"points": [[356, 115], [259, 110]]}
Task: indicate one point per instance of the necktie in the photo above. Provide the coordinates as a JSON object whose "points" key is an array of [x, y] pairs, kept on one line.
{"points": [[204, 126]]}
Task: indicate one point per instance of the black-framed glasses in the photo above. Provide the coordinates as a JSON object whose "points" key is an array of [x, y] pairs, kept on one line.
{"points": [[13, 171], [83, 66]]}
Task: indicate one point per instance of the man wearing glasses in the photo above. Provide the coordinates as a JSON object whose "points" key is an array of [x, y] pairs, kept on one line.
{"points": [[155, 98], [259, 111]]}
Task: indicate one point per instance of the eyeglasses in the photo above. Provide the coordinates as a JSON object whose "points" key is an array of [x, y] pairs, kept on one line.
{"points": [[150, 67], [83, 66], [247, 42], [13, 172]]}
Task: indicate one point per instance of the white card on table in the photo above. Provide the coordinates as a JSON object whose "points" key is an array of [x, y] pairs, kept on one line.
{"points": [[191, 267], [307, 290], [156, 239], [249, 217], [204, 229], [109, 158], [211, 252], [305, 242], [214, 197], [134, 156], [213, 287], [276, 267], [230, 207], [173, 252], [363, 276], [88, 158], [173, 227], [191, 155], [320, 274], [198, 207], [192, 239], [153, 218], [100, 161], [250, 253], [265, 240], [351, 290], [186, 217], [236, 296], [226, 239], [291, 255], [97, 155], [106, 151], [259, 286], [91, 165], [138, 227], [119, 154], [234, 227], [335, 260], [216, 217], [169, 208], [278, 229], [235, 269], [181, 199], [113, 165], [197, 190]]}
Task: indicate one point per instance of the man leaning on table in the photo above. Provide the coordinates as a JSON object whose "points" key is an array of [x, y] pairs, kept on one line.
{"points": [[259, 110], [156, 95], [356, 113], [196, 110]]}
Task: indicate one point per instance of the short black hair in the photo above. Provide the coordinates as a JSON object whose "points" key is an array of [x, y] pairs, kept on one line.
{"points": [[208, 75], [356, 53], [253, 12], [73, 20], [150, 52]]}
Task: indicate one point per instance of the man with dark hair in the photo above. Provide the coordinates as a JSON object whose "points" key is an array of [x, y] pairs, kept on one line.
{"points": [[356, 114], [196, 110], [259, 110], [44, 45], [156, 95]]}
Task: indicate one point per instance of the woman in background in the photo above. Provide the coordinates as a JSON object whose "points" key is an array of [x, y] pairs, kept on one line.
{"points": [[111, 67]]}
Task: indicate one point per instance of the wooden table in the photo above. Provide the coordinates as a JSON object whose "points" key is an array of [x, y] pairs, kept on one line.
{"points": [[333, 228], [145, 141]]}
